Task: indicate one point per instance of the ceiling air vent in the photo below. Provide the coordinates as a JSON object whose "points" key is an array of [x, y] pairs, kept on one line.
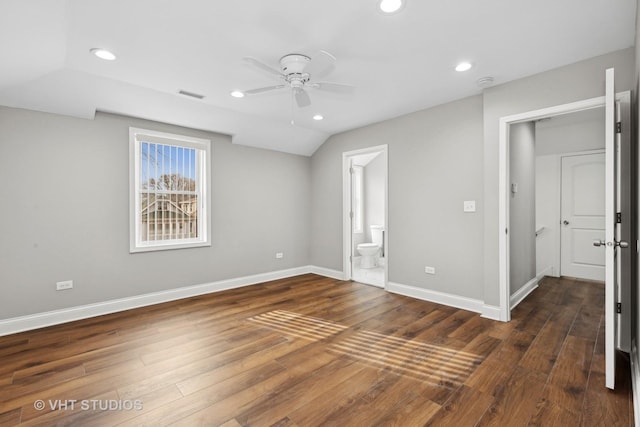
{"points": [[484, 81], [191, 94]]}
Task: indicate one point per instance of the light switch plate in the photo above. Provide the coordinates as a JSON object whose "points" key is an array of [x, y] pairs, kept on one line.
{"points": [[470, 206]]}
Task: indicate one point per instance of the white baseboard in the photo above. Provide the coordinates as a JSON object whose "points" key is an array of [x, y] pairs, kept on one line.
{"points": [[491, 312], [546, 272], [635, 381], [327, 272], [437, 297], [41, 320], [522, 293]]}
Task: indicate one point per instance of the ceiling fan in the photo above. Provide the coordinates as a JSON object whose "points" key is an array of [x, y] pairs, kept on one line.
{"points": [[299, 72]]}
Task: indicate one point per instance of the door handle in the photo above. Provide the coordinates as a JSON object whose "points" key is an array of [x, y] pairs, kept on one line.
{"points": [[565, 222], [621, 244]]}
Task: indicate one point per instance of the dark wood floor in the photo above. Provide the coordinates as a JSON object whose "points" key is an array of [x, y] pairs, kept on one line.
{"points": [[313, 351]]}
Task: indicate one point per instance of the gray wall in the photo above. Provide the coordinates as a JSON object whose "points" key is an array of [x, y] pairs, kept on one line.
{"points": [[571, 83], [65, 214], [571, 132], [433, 167], [522, 204]]}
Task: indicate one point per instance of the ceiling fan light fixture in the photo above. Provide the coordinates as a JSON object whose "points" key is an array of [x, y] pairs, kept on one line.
{"points": [[103, 54], [390, 6], [237, 94], [318, 117], [463, 66]]}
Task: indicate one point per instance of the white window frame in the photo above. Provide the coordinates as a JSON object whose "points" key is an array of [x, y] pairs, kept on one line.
{"points": [[203, 178]]}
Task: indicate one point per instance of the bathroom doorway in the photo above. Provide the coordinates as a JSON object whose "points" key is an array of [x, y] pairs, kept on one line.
{"points": [[365, 215]]}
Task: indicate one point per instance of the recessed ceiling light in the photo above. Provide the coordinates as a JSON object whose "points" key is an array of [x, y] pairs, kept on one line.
{"points": [[463, 66], [103, 54], [318, 117], [390, 6], [237, 94]]}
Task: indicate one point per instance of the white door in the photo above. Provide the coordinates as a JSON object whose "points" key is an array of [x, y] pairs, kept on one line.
{"points": [[613, 230], [582, 216]]}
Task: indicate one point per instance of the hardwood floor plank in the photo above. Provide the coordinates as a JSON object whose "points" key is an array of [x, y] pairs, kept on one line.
{"points": [[390, 394], [603, 406], [200, 409], [465, 407], [320, 411], [301, 391], [6, 379], [230, 370], [175, 372], [543, 351], [568, 380], [413, 412], [11, 417], [515, 400], [23, 384]]}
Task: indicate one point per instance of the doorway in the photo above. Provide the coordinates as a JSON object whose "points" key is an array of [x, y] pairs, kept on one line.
{"points": [[569, 191], [617, 211], [365, 224]]}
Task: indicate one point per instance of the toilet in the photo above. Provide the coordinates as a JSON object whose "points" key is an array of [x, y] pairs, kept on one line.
{"points": [[370, 251]]}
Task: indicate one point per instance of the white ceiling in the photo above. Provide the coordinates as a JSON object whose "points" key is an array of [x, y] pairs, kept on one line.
{"points": [[399, 63]]}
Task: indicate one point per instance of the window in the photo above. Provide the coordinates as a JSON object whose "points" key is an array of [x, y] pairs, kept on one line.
{"points": [[358, 211], [169, 191]]}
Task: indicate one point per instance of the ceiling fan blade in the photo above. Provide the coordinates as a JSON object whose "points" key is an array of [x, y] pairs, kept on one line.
{"points": [[302, 98], [262, 66], [263, 89], [334, 87], [321, 65]]}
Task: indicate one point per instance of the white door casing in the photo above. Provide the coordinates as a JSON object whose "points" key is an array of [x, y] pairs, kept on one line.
{"points": [[582, 216]]}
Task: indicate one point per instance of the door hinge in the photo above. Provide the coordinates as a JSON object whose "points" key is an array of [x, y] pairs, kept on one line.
{"points": [[506, 231], [619, 307], [619, 217], [351, 215], [351, 171], [618, 127]]}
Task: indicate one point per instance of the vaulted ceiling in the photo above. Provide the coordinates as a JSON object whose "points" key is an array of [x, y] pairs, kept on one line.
{"points": [[397, 63]]}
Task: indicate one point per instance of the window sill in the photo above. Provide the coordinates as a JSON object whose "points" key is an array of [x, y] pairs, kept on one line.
{"points": [[167, 246]]}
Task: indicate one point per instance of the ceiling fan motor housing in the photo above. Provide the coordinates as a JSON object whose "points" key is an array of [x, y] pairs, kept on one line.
{"points": [[294, 63]]}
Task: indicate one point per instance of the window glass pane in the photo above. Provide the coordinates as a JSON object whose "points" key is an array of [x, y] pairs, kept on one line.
{"points": [[168, 197]]}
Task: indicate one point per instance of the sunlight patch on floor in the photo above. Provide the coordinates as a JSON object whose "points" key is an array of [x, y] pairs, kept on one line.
{"points": [[298, 325], [434, 363]]}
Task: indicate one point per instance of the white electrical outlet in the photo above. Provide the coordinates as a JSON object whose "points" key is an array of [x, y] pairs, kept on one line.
{"points": [[430, 270], [61, 286], [279, 255]]}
